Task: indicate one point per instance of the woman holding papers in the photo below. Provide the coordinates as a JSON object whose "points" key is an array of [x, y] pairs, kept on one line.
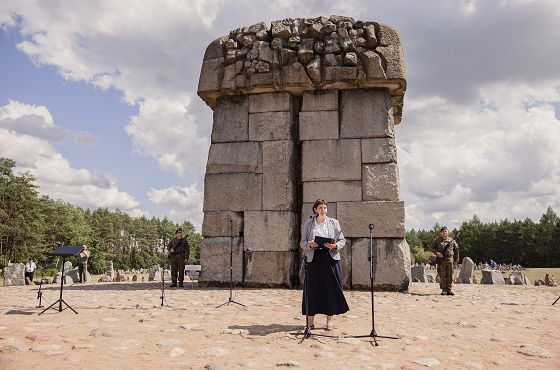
{"points": [[321, 240]]}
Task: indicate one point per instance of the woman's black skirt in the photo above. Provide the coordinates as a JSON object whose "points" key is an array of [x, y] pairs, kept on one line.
{"points": [[324, 284]]}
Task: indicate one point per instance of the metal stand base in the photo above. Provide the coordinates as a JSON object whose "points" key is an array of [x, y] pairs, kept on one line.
{"points": [[307, 334], [60, 309], [374, 335], [60, 301], [230, 301]]}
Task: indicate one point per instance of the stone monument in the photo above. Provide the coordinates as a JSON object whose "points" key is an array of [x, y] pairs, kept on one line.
{"points": [[303, 109]]}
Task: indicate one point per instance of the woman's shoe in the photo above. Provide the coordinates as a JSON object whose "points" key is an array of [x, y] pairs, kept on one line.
{"points": [[330, 326]]}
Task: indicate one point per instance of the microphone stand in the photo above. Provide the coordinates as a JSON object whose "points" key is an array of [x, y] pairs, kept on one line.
{"points": [[40, 292], [163, 279], [230, 299], [373, 334]]}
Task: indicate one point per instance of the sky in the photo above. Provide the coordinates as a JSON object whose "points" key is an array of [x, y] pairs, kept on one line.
{"points": [[98, 101]]}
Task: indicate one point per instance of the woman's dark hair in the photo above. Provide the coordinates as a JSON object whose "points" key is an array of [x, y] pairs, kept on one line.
{"points": [[318, 202]]}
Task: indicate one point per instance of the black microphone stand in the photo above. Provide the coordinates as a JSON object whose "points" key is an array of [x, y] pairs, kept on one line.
{"points": [[230, 299], [60, 301], [40, 292], [373, 333], [163, 278], [556, 300]]}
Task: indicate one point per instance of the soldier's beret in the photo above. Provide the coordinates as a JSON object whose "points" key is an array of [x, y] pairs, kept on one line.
{"points": [[179, 230], [443, 228]]}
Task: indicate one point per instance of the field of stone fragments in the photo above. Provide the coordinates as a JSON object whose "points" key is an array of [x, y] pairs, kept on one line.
{"points": [[124, 326]]}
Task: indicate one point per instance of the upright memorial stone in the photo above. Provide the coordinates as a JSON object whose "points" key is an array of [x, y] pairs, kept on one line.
{"points": [[303, 109]]}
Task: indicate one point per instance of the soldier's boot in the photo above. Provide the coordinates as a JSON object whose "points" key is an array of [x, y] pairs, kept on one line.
{"points": [[173, 285], [449, 292], [181, 285]]}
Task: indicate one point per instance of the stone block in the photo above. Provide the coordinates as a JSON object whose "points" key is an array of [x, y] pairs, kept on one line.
{"points": [[394, 59], [371, 61], [270, 102], [14, 274], [334, 74], [418, 274], [270, 126], [268, 269], [388, 35], [492, 277], [270, 230], [280, 176], [233, 192], [318, 125], [307, 211], [379, 150], [234, 157], [211, 75], [366, 114], [388, 218], [319, 100], [215, 259], [231, 119], [261, 79], [216, 48], [467, 271], [391, 265], [218, 224], [295, 74], [325, 160], [74, 274], [380, 181], [332, 191]]}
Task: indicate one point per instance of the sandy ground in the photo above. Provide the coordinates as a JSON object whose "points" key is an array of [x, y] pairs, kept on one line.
{"points": [[124, 326]]}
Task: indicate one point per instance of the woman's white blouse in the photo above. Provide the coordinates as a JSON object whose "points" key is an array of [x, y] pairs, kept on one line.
{"points": [[321, 229]]}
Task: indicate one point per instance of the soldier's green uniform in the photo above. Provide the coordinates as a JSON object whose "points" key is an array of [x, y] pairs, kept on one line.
{"points": [[180, 254], [450, 251]]}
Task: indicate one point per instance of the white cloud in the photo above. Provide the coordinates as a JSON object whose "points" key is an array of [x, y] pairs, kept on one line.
{"points": [[185, 203], [479, 107], [55, 176], [456, 161]]}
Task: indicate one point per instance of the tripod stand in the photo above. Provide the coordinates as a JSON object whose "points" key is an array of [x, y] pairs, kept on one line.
{"points": [[40, 292], [230, 299], [556, 300], [373, 333], [60, 301], [307, 330]]}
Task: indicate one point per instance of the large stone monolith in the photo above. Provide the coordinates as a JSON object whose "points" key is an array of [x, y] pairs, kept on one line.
{"points": [[303, 109]]}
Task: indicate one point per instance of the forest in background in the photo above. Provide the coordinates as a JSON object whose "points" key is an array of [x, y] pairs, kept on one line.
{"points": [[31, 225], [526, 243]]}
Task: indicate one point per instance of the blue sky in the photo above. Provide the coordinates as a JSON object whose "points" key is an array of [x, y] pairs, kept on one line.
{"points": [[99, 101]]}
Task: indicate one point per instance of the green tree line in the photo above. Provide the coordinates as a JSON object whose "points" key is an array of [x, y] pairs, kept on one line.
{"points": [[527, 243], [31, 225]]}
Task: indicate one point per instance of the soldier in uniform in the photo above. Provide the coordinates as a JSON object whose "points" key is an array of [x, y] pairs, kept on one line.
{"points": [[447, 255], [179, 252]]}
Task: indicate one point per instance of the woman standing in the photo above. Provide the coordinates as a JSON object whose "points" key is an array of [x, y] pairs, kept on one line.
{"points": [[323, 285]]}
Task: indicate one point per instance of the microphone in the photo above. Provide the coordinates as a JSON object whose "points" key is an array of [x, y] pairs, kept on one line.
{"points": [[371, 226], [314, 215]]}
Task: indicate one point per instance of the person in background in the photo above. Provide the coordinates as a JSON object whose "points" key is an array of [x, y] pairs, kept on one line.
{"points": [[447, 253], [323, 285], [179, 251], [83, 257], [29, 271]]}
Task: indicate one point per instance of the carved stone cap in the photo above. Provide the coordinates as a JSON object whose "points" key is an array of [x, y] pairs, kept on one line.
{"points": [[303, 54]]}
